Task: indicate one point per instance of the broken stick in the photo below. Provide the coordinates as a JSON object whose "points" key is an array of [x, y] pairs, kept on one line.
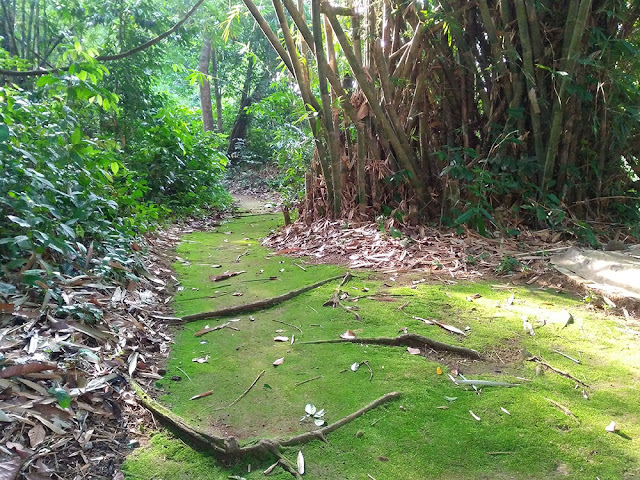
{"points": [[243, 393], [558, 371]]}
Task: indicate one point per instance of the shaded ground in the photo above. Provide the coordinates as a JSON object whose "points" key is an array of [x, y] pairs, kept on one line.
{"points": [[424, 435]]}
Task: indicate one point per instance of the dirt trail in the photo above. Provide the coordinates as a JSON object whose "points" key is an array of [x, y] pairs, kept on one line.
{"points": [[254, 205]]}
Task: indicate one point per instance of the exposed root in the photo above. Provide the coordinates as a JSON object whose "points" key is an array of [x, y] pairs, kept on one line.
{"points": [[258, 305], [228, 447], [407, 339]]}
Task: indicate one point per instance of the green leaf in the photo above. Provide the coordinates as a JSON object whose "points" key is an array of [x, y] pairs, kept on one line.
{"points": [[23, 223], [76, 136], [4, 132], [89, 355], [465, 217], [63, 397], [66, 230], [115, 167], [46, 80]]}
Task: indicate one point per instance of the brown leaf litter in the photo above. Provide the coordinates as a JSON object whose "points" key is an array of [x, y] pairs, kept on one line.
{"points": [[364, 245], [51, 359]]}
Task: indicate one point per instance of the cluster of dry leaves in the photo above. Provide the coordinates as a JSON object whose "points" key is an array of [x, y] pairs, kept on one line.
{"points": [[364, 245], [66, 411]]}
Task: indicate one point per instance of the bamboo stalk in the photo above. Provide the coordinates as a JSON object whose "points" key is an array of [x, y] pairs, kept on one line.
{"points": [[527, 60], [557, 113], [403, 151], [332, 138], [273, 39]]}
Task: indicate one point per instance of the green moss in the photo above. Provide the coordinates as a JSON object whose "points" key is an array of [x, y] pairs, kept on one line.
{"points": [[419, 439]]}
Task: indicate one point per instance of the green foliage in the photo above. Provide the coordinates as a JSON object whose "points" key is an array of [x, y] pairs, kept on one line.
{"points": [[179, 166], [72, 199], [56, 191], [508, 265]]}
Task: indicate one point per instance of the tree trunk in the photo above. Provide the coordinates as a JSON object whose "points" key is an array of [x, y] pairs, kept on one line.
{"points": [[216, 87], [205, 86], [241, 124]]}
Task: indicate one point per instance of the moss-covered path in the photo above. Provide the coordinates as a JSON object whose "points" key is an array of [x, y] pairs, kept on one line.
{"points": [[550, 426]]}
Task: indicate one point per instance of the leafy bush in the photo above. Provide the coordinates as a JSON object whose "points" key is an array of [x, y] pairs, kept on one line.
{"points": [[56, 191], [71, 199], [180, 170]]}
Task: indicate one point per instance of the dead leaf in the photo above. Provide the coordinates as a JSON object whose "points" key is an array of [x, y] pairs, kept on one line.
{"points": [[300, 463], [36, 435], [474, 415], [280, 338], [425, 320], [10, 468], [133, 363], [200, 395], [237, 294], [26, 369], [204, 359], [348, 335], [413, 351], [20, 449], [612, 427], [270, 469], [505, 410], [279, 361], [438, 371], [449, 328], [7, 307]]}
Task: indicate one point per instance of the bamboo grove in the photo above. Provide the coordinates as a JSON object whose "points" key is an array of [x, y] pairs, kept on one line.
{"points": [[468, 111]]}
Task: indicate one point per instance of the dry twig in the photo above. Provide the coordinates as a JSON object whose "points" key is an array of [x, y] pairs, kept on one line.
{"points": [[243, 393]]}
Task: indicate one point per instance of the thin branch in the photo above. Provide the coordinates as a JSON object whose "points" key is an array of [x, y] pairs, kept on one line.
{"points": [[319, 434], [308, 380], [104, 58], [559, 372], [243, 393], [287, 324]]}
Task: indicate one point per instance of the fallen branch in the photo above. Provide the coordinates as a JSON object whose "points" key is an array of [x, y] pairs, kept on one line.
{"points": [[243, 393], [287, 324], [563, 409], [558, 371], [407, 339], [258, 305], [199, 333], [224, 276], [308, 380]]}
